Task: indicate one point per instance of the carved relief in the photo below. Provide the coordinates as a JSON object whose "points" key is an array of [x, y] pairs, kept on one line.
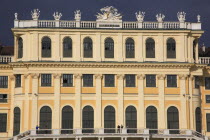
{"points": [[120, 76], [12, 77], [57, 75], [183, 76], [161, 76], [141, 77], [77, 76], [26, 75], [109, 13], [98, 76], [35, 75]]}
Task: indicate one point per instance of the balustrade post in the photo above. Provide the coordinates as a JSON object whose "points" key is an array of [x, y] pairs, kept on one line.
{"points": [[33, 132], [166, 132], [146, 131], [124, 131], [57, 23], [140, 25]]}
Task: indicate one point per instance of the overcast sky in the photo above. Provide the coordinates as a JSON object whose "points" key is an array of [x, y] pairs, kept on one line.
{"points": [[89, 9]]}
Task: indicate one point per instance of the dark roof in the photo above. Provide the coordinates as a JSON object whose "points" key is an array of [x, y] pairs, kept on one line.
{"points": [[6, 50]]}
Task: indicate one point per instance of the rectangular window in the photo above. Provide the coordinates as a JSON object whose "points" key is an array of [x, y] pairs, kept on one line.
{"points": [[18, 80], [150, 80], [3, 122], [207, 82], [3, 81], [87, 80], [46, 80], [67, 80], [208, 122], [197, 81], [171, 81], [130, 80], [207, 98], [3, 98], [109, 80]]}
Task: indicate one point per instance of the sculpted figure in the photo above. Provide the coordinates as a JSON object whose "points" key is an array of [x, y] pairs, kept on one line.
{"points": [[140, 16], [57, 16], [199, 18], [181, 16], [109, 13], [160, 17], [77, 15], [35, 14], [16, 16]]}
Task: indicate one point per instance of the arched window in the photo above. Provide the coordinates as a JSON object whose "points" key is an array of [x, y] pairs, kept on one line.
{"points": [[150, 48], [88, 47], [195, 42], [87, 119], [67, 119], [198, 119], [16, 126], [67, 47], [151, 118], [45, 119], [131, 119], [20, 47], [130, 48], [46, 47], [109, 119], [173, 119], [171, 48], [109, 48]]}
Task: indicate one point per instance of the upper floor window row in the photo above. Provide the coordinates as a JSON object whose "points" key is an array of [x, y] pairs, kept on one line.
{"points": [[109, 48]]}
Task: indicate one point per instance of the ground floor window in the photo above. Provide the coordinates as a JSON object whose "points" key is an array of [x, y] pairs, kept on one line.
{"points": [[3, 122]]}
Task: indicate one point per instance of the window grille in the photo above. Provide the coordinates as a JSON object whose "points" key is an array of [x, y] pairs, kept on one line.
{"points": [[46, 47], [130, 48], [130, 80], [171, 81], [151, 118], [88, 47], [3, 98], [67, 47], [207, 98], [67, 119], [3, 122], [45, 119], [18, 80], [3, 81], [207, 82], [208, 122], [109, 48], [150, 48], [198, 119], [109, 80], [87, 119], [197, 82], [16, 126], [87, 80], [173, 119], [150, 80], [20, 47], [67, 80], [46, 80], [171, 48], [109, 119], [131, 119]]}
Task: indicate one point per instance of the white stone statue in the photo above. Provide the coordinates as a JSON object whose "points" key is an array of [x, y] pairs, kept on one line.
{"points": [[160, 17], [140, 16], [199, 18], [77, 15], [16, 16], [181, 16], [109, 13], [35, 14], [57, 16]]}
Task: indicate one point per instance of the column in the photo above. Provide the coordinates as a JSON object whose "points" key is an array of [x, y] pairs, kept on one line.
{"points": [[119, 48], [196, 52], [120, 114], [161, 91], [56, 49], [78, 109], [191, 79], [97, 50], [56, 112], [183, 110], [12, 85], [160, 52], [26, 104], [77, 49], [35, 86], [141, 110], [98, 121]]}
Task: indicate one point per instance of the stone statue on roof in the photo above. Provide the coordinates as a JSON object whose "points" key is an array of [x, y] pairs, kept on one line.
{"points": [[109, 13], [140, 16], [35, 14]]}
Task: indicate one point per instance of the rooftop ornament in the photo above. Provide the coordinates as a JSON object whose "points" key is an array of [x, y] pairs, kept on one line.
{"points": [[77, 15], [140, 16], [199, 18], [109, 13], [57, 16], [160, 17], [181, 16], [35, 14], [16, 16]]}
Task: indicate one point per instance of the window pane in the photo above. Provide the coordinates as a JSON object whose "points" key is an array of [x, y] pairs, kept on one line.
{"points": [[197, 82], [3, 122], [46, 47], [109, 119], [207, 82], [18, 80], [109, 48], [45, 118], [173, 118], [67, 80], [20, 47], [150, 80], [3, 98], [88, 47], [151, 117], [3, 81], [109, 80], [130, 48], [88, 119], [16, 126], [67, 47], [87, 80], [171, 81], [208, 122], [46, 80], [171, 48], [130, 80], [150, 48]]}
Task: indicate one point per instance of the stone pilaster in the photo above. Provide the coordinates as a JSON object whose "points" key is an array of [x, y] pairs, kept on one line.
{"points": [[141, 112], [98, 121], [35, 94], [78, 109], [26, 103], [12, 84], [192, 117], [120, 78], [183, 101], [56, 113], [161, 91]]}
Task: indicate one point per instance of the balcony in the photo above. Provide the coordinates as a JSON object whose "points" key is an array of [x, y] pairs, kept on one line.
{"points": [[6, 59], [110, 133]]}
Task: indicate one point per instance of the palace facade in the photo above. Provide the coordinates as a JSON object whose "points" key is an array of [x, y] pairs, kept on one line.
{"points": [[81, 79]]}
